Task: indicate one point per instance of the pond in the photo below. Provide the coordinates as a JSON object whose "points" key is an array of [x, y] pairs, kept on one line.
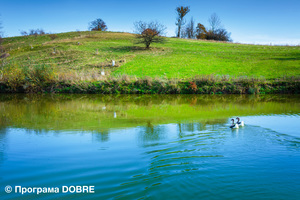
{"points": [[150, 146]]}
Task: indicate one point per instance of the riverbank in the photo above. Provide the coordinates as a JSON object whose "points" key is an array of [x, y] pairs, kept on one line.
{"points": [[148, 85], [81, 62]]}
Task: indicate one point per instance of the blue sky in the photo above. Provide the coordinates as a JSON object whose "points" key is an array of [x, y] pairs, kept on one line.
{"points": [[249, 21]]}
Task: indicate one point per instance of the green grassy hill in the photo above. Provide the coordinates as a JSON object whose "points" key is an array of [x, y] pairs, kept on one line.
{"points": [[177, 58], [81, 56]]}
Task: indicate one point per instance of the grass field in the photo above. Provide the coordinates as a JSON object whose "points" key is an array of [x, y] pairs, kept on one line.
{"points": [[81, 56]]}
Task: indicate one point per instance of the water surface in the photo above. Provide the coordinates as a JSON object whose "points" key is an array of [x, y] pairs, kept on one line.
{"points": [[151, 147]]}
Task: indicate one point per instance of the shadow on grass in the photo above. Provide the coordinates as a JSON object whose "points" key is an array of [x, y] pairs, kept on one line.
{"points": [[127, 49], [102, 65], [286, 59], [291, 57]]}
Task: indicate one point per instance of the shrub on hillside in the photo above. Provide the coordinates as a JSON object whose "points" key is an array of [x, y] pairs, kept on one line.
{"points": [[215, 31], [219, 35], [53, 36], [34, 32], [148, 33]]}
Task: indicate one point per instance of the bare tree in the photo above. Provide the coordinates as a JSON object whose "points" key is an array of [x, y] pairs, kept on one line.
{"points": [[181, 13], [148, 33], [34, 32], [98, 25], [214, 22], [23, 33], [1, 40], [189, 30], [216, 32]]}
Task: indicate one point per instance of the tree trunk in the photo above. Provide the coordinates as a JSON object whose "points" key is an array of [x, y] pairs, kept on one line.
{"points": [[179, 28]]}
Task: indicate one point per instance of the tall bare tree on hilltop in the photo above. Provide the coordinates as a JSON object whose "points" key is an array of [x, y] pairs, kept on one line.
{"points": [[181, 13], [189, 30], [216, 32], [214, 22]]}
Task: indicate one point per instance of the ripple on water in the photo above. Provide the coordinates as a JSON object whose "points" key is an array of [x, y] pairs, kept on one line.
{"points": [[177, 158], [211, 164]]}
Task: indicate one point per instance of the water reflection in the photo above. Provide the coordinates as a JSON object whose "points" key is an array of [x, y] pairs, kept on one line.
{"points": [[86, 112], [150, 134], [101, 136], [152, 150], [3, 143]]}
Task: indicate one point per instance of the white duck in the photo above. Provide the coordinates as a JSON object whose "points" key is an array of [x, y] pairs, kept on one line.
{"points": [[233, 124], [240, 123]]}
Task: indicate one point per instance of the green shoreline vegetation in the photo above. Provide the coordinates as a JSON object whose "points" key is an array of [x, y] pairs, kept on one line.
{"points": [[72, 63]]}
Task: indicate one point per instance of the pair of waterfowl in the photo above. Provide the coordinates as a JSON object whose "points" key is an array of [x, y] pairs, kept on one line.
{"points": [[237, 124]]}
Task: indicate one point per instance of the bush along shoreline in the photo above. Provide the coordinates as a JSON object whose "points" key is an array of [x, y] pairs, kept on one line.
{"points": [[147, 85]]}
